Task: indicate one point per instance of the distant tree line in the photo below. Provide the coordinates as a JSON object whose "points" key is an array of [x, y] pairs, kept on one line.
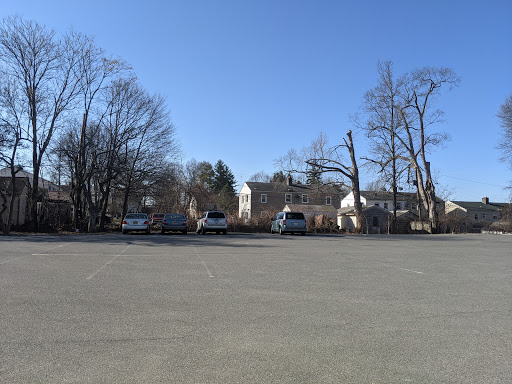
{"points": [[67, 106]]}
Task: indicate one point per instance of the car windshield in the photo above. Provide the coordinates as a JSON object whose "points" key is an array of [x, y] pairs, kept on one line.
{"points": [[295, 216], [216, 215], [136, 216], [175, 217]]}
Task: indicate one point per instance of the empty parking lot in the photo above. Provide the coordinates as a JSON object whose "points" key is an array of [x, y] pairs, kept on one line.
{"points": [[255, 309]]}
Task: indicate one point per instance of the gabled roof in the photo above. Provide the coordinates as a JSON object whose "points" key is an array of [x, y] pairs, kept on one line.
{"points": [[306, 208], [404, 213], [43, 183], [479, 206], [283, 188], [351, 210], [385, 195], [20, 185]]}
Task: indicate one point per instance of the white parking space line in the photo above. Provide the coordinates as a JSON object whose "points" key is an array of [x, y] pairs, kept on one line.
{"points": [[108, 263], [409, 270], [45, 252], [210, 274]]}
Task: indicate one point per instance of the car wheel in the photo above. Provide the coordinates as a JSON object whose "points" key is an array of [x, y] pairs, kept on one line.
{"points": [[225, 232], [271, 231], [162, 231], [303, 233], [124, 232], [184, 232], [281, 231], [203, 232]]}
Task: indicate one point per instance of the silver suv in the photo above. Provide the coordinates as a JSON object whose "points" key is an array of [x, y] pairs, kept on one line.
{"points": [[291, 222], [212, 221]]}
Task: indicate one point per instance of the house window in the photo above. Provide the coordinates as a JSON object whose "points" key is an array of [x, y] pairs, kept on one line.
{"points": [[476, 216], [398, 205], [375, 221], [495, 217], [406, 204], [385, 205], [328, 200], [483, 216], [287, 197], [304, 199], [263, 198]]}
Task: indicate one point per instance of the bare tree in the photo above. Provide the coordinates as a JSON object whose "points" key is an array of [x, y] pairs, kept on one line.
{"points": [[330, 161], [150, 137], [418, 114], [93, 72], [505, 144], [382, 125], [261, 177], [12, 138], [43, 67]]}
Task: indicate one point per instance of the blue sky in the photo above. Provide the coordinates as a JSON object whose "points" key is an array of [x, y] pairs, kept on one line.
{"points": [[247, 80]]}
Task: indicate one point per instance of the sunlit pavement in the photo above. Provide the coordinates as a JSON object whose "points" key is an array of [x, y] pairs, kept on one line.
{"points": [[255, 309]]}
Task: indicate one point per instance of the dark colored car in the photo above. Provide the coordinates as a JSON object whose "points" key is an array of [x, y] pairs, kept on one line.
{"points": [[174, 222]]}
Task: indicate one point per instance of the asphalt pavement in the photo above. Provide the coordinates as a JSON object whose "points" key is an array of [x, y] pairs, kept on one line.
{"points": [[255, 308]]}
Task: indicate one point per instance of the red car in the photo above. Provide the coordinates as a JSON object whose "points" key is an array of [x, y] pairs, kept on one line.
{"points": [[157, 218]]}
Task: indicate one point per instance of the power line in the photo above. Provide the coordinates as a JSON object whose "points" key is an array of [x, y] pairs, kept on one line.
{"points": [[474, 181]]}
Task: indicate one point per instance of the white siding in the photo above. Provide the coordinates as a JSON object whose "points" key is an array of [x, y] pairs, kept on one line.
{"points": [[244, 200], [348, 201]]}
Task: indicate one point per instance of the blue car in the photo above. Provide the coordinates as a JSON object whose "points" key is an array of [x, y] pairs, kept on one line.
{"points": [[289, 222], [174, 222]]}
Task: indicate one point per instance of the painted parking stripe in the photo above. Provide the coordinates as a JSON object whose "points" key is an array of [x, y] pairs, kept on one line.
{"points": [[108, 263]]}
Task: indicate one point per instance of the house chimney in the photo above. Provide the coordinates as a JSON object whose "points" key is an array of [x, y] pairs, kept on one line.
{"points": [[289, 180], [485, 200]]}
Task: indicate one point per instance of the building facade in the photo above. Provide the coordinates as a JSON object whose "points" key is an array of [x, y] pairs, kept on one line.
{"points": [[258, 199]]}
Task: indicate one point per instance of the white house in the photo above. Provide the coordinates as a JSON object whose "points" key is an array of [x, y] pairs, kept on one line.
{"points": [[404, 201]]}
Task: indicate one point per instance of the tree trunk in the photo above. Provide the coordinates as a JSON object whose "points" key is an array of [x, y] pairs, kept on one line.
{"points": [[34, 195], [7, 229], [358, 208], [4, 226]]}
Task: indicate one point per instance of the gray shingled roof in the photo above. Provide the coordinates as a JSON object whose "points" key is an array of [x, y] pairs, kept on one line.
{"points": [[384, 195], [479, 206], [282, 187], [305, 208]]}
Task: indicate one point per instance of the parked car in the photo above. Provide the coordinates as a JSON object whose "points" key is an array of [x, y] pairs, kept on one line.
{"points": [[212, 221], [135, 222], [289, 222], [174, 222], [157, 218]]}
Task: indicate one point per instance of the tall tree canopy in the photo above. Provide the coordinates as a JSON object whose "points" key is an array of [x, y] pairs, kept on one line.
{"points": [[223, 177]]}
